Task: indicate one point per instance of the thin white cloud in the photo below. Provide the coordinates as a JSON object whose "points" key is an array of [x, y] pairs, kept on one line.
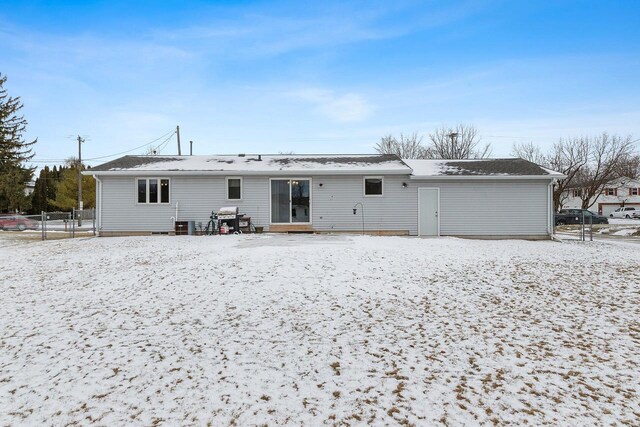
{"points": [[344, 108]]}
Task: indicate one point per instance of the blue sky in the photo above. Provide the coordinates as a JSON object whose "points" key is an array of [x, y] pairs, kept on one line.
{"points": [[322, 77]]}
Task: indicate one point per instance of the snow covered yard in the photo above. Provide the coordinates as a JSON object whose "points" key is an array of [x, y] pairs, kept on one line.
{"points": [[318, 329]]}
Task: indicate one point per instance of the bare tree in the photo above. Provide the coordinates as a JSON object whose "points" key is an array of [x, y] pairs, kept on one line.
{"points": [[567, 156], [529, 151], [629, 167], [459, 142], [605, 155], [587, 162], [407, 147]]}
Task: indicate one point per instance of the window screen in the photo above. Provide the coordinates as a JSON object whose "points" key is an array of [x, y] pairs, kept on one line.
{"points": [[164, 191], [153, 191], [373, 186], [142, 191], [234, 188]]}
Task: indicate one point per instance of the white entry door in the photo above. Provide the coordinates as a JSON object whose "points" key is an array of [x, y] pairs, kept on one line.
{"points": [[428, 211]]}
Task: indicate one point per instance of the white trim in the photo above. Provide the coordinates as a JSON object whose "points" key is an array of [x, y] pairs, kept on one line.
{"points": [[147, 178], [550, 210], [438, 211], [226, 184], [98, 203], [291, 201], [364, 186]]}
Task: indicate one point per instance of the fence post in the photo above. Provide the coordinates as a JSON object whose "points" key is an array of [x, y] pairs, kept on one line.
{"points": [[42, 224], [73, 223], [591, 228], [582, 227], [93, 213]]}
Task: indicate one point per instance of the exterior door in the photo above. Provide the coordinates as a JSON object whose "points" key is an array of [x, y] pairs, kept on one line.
{"points": [[428, 211], [290, 201]]}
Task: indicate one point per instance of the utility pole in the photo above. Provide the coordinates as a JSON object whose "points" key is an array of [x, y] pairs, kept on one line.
{"points": [[80, 141], [453, 150], [178, 135]]}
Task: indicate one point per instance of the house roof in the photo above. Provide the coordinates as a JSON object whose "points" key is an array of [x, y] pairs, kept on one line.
{"points": [[257, 164], [321, 164], [506, 168]]}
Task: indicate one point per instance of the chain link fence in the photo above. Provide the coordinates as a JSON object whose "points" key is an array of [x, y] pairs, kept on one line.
{"points": [[51, 225]]}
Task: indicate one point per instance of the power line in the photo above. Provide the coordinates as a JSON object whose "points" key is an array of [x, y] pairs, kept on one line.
{"points": [[170, 134]]}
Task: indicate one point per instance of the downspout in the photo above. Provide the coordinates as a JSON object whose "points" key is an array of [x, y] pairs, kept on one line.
{"points": [[99, 203], [550, 210]]}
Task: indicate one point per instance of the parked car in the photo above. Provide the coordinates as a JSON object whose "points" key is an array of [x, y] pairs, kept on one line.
{"points": [[574, 216], [17, 222], [636, 215], [624, 212]]}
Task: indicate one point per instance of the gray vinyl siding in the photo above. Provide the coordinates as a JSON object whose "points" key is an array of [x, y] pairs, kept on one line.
{"points": [[467, 207], [333, 205], [492, 207], [193, 196]]}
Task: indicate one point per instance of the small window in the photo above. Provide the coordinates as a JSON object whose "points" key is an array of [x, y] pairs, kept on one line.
{"points": [[373, 186], [142, 191], [234, 188], [610, 191], [164, 191], [634, 191], [577, 192], [153, 190]]}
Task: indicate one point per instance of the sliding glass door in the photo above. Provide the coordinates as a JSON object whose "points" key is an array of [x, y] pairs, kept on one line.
{"points": [[290, 201]]}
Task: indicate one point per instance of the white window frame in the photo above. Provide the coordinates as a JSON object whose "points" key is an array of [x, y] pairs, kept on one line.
{"points": [[226, 189], [146, 203], [636, 190], [291, 201], [364, 186]]}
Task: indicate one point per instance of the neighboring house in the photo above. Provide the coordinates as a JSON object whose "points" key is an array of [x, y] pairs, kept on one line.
{"points": [[29, 187], [328, 193], [617, 193]]}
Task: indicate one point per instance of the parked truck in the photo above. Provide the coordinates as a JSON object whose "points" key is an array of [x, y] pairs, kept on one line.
{"points": [[575, 216]]}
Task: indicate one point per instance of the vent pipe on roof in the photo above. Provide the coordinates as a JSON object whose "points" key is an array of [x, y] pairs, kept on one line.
{"points": [[191, 148], [259, 157]]}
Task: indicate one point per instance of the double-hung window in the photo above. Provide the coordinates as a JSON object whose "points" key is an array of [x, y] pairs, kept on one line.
{"points": [[153, 190], [234, 188], [373, 186]]}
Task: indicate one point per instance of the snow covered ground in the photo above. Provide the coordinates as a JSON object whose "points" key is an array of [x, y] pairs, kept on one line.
{"points": [[318, 329]]}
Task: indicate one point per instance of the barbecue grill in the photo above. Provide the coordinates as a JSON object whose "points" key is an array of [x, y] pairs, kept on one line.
{"points": [[229, 215]]}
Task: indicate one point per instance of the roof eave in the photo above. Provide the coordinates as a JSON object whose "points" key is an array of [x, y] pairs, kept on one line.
{"points": [[462, 177], [305, 172]]}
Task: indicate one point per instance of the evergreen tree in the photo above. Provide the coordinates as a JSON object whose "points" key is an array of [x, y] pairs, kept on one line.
{"points": [[66, 197], [44, 190], [14, 153]]}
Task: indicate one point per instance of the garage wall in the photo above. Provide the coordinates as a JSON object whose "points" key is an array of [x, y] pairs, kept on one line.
{"points": [[492, 207]]}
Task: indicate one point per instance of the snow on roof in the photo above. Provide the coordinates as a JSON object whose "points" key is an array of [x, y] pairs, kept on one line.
{"points": [[321, 164], [254, 164], [477, 167]]}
